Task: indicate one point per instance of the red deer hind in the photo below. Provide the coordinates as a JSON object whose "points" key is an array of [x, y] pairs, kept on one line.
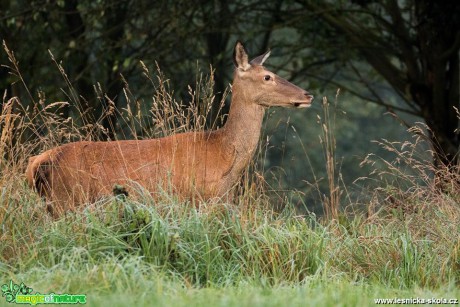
{"points": [[195, 165]]}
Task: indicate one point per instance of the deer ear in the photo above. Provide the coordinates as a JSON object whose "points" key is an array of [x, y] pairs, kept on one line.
{"points": [[240, 57], [260, 59]]}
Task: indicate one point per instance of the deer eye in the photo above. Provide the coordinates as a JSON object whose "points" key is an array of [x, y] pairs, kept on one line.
{"points": [[267, 77]]}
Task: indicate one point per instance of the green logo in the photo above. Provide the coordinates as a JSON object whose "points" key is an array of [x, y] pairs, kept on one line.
{"points": [[21, 294]]}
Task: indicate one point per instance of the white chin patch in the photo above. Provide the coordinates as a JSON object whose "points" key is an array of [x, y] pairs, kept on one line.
{"points": [[302, 105]]}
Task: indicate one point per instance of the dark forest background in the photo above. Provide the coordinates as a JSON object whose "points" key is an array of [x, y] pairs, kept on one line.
{"points": [[395, 62]]}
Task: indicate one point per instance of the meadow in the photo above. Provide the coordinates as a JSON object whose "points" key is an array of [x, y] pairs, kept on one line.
{"points": [[402, 241]]}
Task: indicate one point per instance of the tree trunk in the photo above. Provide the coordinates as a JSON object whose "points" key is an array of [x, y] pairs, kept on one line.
{"points": [[115, 24], [216, 40], [440, 66], [78, 57]]}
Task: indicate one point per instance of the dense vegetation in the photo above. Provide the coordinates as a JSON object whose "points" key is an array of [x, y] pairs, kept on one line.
{"points": [[341, 205]]}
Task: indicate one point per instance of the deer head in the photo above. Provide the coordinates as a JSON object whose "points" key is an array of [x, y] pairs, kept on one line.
{"points": [[260, 86]]}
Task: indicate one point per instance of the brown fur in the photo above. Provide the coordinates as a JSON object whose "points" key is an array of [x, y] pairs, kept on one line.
{"points": [[193, 165]]}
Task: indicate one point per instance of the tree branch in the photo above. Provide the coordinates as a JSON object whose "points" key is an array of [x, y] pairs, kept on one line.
{"points": [[453, 49]]}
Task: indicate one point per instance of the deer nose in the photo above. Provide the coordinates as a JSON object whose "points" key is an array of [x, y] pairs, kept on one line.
{"points": [[309, 96]]}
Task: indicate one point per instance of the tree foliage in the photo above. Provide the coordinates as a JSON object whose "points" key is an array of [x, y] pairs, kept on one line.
{"points": [[414, 47]]}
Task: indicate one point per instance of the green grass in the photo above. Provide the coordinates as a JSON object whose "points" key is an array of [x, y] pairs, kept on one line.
{"points": [[133, 282], [126, 252]]}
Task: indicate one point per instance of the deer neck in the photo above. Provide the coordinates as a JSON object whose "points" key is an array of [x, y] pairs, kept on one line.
{"points": [[243, 127]]}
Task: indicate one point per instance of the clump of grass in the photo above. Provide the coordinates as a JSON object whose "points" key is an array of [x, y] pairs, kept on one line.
{"points": [[419, 215], [225, 246], [331, 202]]}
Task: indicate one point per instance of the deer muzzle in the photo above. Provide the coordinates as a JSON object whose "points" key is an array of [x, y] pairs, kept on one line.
{"points": [[304, 103]]}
